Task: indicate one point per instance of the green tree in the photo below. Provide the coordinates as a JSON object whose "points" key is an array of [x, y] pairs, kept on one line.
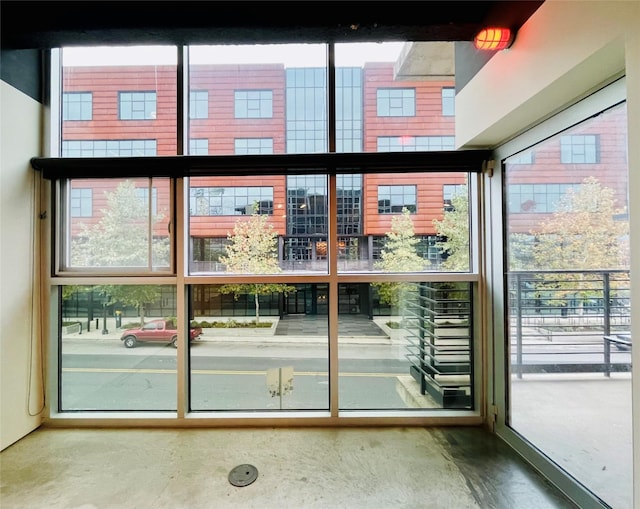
{"points": [[253, 249], [136, 296], [121, 238], [454, 230], [584, 233], [399, 254]]}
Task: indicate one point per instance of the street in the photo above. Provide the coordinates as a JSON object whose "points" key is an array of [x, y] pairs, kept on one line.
{"points": [[103, 374]]}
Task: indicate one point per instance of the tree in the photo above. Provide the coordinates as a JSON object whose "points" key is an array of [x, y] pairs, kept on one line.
{"points": [[121, 238], [137, 296], [583, 233], [399, 254], [454, 230], [253, 249]]}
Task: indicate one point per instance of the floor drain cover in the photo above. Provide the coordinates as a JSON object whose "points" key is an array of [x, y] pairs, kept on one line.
{"points": [[243, 475]]}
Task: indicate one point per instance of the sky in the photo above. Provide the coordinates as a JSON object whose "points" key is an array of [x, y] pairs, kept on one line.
{"points": [[292, 55]]}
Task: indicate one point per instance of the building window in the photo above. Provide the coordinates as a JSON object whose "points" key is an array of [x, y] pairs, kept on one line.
{"points": [[77, 106], [253, 104], [108, 148], [536, 198], [199, 104], [209, 249], [349, 201], [349, 109], [392, 199], [522, 158], [245, 146], [415, 143], [230, 201], [137, 105], [143, 194], [306, 110], [448, 101], [579, 149], [307, 205], [396, 102], [81, 202], [449, 191], [199, 147]]}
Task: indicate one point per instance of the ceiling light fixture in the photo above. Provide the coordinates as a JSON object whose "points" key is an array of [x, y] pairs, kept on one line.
{"points": [[494, 39]]}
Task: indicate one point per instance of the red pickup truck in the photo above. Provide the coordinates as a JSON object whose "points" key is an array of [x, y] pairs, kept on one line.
{"points": [[163, 331]]}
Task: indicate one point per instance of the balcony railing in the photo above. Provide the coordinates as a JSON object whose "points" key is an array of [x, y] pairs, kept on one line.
{"points": [[558, 321]]}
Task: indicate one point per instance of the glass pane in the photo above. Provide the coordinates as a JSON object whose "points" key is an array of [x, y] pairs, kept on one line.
{"points": [[263, 347], [258, 99], [569, 303], [403, 222], [119, 101], [116, 224], [386, 103], [258, 224], [116, 348], [405, 346]]}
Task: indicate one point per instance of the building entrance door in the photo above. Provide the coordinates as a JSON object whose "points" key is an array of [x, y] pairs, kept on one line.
{"points": [[296, 301]]}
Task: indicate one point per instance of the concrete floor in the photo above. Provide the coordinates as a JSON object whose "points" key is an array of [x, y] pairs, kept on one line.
{"points": [[299, 468]]}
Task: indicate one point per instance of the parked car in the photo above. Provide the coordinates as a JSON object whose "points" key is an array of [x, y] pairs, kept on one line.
{"points": [[162, 331]]}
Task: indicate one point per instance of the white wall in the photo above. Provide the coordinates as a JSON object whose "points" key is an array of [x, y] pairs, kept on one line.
{"points": [[20, 353]]}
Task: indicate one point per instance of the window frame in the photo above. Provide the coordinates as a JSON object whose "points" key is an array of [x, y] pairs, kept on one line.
{"points": [[179, 169]]}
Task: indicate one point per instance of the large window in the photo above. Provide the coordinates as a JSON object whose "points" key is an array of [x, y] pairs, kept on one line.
{"points": [[125, 232], [244, 278], [568, 375], [118, 87]]}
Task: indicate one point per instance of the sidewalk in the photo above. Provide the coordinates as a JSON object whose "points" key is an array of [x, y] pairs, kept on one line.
{"points": [[292, 329]]}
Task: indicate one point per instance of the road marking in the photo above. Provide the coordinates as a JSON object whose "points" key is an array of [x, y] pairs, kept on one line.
{"points": [[217, 372]]}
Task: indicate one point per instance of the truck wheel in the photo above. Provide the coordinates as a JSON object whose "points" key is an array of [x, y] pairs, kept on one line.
{"points": [[174, 341], [130, 342]]}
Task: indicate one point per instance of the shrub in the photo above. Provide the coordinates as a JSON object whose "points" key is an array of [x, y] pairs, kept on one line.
{"points": [[234, 324]]}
